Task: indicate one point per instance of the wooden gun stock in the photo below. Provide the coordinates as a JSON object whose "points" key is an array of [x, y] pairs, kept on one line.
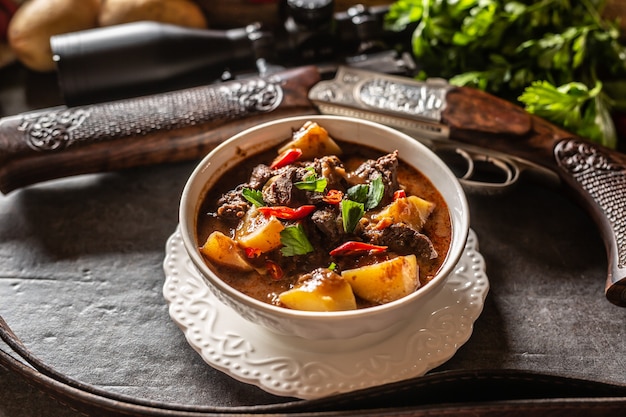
{"points": [[169, 127], [595, 175]]}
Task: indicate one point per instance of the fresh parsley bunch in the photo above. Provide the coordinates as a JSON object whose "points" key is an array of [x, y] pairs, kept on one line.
{"points": [[555, 57]]}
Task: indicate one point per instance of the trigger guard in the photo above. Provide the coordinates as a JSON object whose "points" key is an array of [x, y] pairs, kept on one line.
{"points": [[470, 163], [511, 171]]}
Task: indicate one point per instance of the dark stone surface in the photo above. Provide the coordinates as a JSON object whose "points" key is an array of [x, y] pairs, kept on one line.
{"points": [[81, 278]]}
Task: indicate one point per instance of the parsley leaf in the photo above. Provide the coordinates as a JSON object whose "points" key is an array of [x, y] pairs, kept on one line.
{"points": [[351, 213], [370, 195], [375, 193], [358, 193], [253, 196], [295, 241], [311, 183], [574, 107], [504, 47]]}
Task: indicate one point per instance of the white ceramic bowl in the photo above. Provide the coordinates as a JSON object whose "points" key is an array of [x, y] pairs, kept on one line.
{"points": [[322, 325]]}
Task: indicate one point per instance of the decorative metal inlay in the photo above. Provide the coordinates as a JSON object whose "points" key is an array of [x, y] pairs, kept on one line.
{"points": [[52, 130], [421, 100], [257, 95], [397, 97], [604, 180], [58, 129]]}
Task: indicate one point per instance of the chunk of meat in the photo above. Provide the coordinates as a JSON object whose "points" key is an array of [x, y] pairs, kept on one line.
{"points": [[331, 168], [280, 189], [402, 239], [328, 222], [385, 167], [232, 205], [260, 175]]}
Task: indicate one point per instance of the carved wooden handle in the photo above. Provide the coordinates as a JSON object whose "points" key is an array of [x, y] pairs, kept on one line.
{"points": [[598, 175], [168, 127], [594, 174]]}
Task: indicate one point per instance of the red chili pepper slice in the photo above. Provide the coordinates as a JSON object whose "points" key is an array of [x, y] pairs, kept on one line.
{"points": [[274, 269], [355, 248], [287, 213], [286, 157], [333, 197], [252, 252], [399, 194]]}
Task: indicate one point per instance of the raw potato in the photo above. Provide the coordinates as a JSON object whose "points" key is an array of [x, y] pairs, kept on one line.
{"points": [[37, 20], [222, 250], [176, 12], [314, 142], [258, 232], [386, 281], [321, 292]]}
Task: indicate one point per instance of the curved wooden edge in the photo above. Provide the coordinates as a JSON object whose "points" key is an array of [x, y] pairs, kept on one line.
{"points": [[479, 393]]}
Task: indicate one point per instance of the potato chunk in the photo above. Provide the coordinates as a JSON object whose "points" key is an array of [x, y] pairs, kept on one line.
{"points": [[411, 210], [36, 21], [321, 290], [314, 142], [259, 232], [223, 250], [385, 281]]}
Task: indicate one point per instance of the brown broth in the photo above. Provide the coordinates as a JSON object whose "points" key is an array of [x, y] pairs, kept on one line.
{"points": [[266, 289]]}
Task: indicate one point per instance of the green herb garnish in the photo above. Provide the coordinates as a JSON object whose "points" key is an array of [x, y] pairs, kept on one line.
{"points": [[572, 106], [311, 182], [504, 47], [375, 193], [370, 195], [253, 196], [351, 213], [295, 241], [358, 193]]}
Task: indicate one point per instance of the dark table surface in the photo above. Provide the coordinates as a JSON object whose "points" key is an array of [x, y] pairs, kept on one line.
{"points": [[81, 284]]}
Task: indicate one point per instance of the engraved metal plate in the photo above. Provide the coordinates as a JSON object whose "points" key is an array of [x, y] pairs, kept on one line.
{"points": [[396, 101]]}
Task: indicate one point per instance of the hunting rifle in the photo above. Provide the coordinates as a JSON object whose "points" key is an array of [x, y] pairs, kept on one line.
{"points": [[186, 124]]}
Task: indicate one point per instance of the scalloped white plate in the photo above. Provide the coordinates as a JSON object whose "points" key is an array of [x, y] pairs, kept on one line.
{"points": [[293, 367]]}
